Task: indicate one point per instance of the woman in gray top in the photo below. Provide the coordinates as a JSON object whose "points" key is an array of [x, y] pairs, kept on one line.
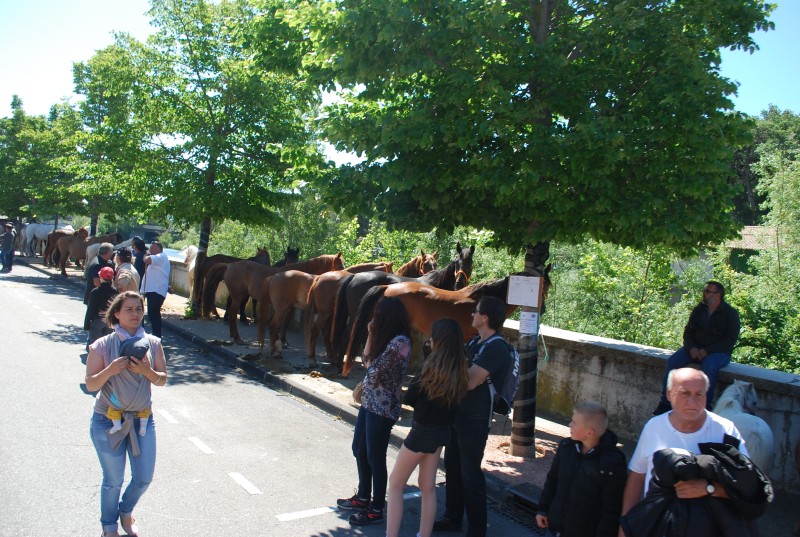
{"points": [[123, 383]]}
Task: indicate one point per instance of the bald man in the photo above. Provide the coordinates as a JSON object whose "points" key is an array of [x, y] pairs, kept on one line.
{"points": [[686, 426]]}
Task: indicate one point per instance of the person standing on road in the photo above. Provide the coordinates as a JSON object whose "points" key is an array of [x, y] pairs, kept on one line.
{"points": [[7, 241], [92, 272], [126, 278], [125, 382], [465, 487], [386, 356], [155, 284], [434, 393], [101, 296]]}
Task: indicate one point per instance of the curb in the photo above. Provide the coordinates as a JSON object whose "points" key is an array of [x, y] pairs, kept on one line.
{"points": [[494, 486]]}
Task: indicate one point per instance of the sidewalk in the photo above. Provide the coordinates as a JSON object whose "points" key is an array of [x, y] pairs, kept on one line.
{"points": [[516, 479]]}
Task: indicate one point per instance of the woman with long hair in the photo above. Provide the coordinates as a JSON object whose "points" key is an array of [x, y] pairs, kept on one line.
{"points": [[123, 383], [434, 393], [386, 357]]}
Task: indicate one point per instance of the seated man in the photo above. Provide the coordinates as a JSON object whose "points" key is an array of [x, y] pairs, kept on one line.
{"points": [[708, 340]]}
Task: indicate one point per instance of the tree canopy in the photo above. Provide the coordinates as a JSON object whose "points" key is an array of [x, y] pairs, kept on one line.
{"points": [[539, 120]]}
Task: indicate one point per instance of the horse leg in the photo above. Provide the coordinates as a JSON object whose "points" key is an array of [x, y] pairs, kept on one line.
{"points": [[243, 311], [285, 327], [232, 325]]}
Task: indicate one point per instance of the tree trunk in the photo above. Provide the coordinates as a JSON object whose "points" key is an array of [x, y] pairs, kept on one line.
{"points": [[523, 428], [202, 253]]}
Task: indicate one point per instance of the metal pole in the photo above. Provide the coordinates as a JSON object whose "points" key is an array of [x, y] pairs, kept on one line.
{"points": [[523, 428]]}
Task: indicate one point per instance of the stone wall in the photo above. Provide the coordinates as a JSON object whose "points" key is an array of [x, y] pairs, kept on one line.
{"points": [[626, 379]]}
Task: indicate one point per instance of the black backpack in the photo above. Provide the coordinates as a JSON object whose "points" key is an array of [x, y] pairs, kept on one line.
{"points": [[502, 395]]}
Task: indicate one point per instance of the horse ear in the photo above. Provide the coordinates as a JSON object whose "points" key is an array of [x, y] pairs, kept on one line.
{"points": [[458, 246], [472, 249], [435, 254], [422, 253]]}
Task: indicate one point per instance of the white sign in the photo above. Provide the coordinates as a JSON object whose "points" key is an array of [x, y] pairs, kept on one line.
{"points": [[529, 323], [524, 291]]}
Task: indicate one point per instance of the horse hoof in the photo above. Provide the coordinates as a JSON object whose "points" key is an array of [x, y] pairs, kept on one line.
{"points": [[240, 342]]}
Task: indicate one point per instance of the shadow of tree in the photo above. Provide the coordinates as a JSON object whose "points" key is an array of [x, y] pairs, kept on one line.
{"points": [[52, 285], [63, 333]]}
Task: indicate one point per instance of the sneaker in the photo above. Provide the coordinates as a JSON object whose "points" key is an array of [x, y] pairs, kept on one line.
{"points": [[369, 516], [352, 504], [661, 408], [445, 524]]}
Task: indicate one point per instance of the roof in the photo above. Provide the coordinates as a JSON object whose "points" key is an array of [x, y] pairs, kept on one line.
{"points": [[755, 238]]}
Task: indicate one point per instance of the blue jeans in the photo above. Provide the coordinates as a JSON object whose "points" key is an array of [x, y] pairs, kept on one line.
{"points": [[113, 466], [7, 259], [465, 487], [710, 365], [370, 442], [154, 302]]}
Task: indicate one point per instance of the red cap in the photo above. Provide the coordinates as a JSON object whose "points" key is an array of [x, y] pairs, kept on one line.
{"points": [[107, 273]]}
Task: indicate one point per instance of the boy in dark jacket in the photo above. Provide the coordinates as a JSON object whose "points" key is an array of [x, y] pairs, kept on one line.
{"points": [[582, 496]]}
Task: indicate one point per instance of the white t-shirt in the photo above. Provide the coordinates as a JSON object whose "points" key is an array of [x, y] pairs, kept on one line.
{"points": [[156, 276], [658, 433]]}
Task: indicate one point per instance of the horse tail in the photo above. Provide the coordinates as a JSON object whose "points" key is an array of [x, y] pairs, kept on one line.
{"points": [[311, 311], [199, 278], [358, 337], [263, 312], [340, 315], [215, 275]]}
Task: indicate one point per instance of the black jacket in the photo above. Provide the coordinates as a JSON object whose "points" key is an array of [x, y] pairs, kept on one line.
{"points": [[662, 514], [715, 333], [99, 299], [582, 496]]}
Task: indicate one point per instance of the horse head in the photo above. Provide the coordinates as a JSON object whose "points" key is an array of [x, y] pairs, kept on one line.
{"points": [[738, 397], [338, 261], [463, 268], [262, 256], [292, 255], [427, 262], [83, 233]]}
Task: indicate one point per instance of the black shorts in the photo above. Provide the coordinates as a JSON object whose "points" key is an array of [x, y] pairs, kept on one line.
{"points": [[427, 438]]}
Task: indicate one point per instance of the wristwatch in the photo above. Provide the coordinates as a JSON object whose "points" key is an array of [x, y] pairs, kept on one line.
{"points": [[710, 488]]}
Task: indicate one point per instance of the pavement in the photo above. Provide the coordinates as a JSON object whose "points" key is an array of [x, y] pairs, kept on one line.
{"points": [[510, 479]]}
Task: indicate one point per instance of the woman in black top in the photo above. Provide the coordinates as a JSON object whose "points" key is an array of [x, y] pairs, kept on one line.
{"points": [[434, 393]]}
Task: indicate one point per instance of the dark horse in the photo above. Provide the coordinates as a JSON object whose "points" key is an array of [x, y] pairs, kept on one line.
{"points": [[425, 305], [204, 264], [292, 255], [454, 276]]}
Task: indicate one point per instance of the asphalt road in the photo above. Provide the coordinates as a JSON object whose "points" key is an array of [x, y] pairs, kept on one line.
{"points": [[235, 458]]}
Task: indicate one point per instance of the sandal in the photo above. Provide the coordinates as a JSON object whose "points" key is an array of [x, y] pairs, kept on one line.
{"points": [[128, 524]]}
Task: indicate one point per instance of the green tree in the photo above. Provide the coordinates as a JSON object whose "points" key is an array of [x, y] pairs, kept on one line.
{"points": [[540, 120]]}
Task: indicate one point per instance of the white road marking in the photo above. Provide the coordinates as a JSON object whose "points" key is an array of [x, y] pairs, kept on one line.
{"points": [[244, 483], [200, 445], [167, 416], [286, 517]]}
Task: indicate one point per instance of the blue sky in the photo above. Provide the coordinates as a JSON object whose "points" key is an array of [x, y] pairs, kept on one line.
{"points": [[40, 39]]}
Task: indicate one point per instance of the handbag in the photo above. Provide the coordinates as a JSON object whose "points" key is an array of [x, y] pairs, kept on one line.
{"points": [[358, 392]]}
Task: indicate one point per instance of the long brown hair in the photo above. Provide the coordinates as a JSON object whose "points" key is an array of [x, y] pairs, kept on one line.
{"points": [[389, 320], [444, 373], [116, 306]]}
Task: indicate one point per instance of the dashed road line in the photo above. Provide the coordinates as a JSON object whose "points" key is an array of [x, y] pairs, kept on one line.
{"points": [[244, 483], [201, 445], [167, 416]]}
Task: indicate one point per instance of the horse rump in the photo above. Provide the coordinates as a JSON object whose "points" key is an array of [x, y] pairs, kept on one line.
{"points": [[358, 335]]}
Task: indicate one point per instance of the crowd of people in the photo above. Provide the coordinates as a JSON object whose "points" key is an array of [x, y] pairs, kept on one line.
{"points": [[689, 473]]}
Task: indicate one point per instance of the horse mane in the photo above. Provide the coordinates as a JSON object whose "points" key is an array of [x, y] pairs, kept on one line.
{"points": [[444, 278], [495, 288], [325, 261], [411, 267]]}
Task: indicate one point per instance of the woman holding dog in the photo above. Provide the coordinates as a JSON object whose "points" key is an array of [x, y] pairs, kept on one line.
{"points": [[123, 381]]}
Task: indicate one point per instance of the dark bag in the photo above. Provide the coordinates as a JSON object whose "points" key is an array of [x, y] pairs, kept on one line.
{"points": [[502, 395]]}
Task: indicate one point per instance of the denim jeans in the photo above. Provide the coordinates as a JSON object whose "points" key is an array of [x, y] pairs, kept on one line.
{"points": [[7, 259], [113, 466], [154, 302], [710, 365], [370, 442], [465, 486]]}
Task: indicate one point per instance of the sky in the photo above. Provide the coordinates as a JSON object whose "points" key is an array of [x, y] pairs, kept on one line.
{"points": [[40, 39]]}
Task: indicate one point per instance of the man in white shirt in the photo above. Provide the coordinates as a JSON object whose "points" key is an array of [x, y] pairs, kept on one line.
{"points": [[686, 426], [155, 284]]}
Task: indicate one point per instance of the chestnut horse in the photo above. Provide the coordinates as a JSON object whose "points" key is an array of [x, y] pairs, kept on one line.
{"points": [[245, 278], [319, 305], [75, 246], [351, 290], [204, 264], [425, 305], [419, 266], [50, 255]]}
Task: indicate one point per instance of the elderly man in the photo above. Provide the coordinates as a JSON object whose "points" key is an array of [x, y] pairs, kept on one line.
{"points": [[7, 241], [155, 284], [685, 427], [93, 267], [708, 341]]}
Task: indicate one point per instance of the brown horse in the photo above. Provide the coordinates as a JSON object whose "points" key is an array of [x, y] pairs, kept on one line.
{"points": [[425, 305], [245, 278], [49, 257], [321, 301], [353, 288], [204, 264], [419, 266], [75, 246]]}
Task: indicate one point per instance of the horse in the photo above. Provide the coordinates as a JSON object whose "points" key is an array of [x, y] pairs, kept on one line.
{"points": [[51, 254], [34, 233], [291, 256], [190, 256], [205, 264], [245, 278], [93, 249], [738, 403], [75, 246], [351, 290], [419, 266], [320, 302]]}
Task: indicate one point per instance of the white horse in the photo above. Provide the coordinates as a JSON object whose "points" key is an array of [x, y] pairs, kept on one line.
{"points": [[35, 236], [191, 256], [738, 404], [93, 249]]}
